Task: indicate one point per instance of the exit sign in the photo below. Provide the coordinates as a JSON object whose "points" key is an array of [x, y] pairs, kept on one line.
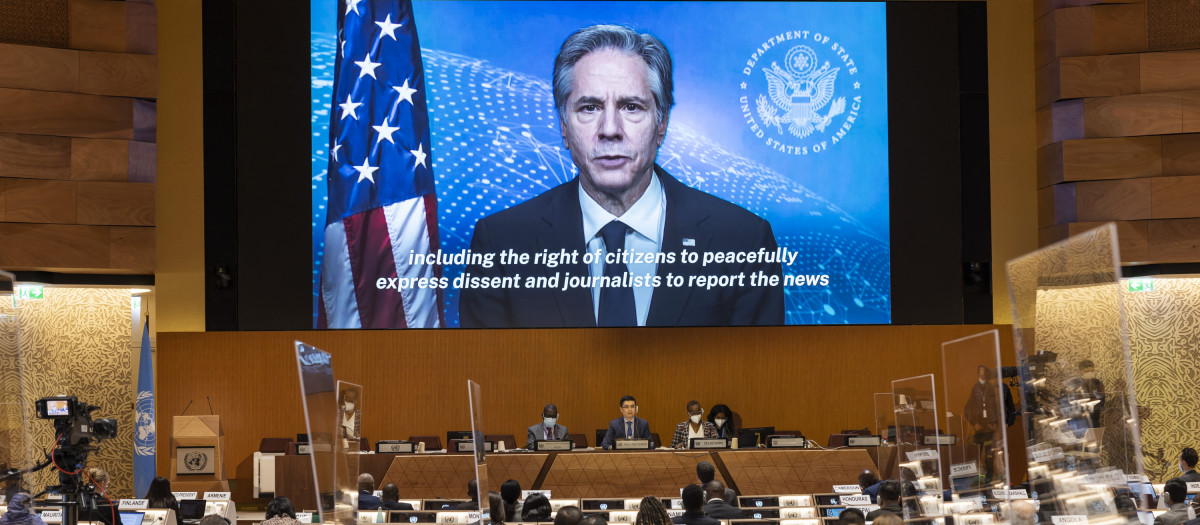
{"points": [[1140, 285], [29, 291]]}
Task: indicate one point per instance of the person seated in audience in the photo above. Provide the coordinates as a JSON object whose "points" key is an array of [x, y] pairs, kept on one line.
{"points": [[215, 519], [652, 512], [1187, 466], [1175, 492], [628, 426], [280, 512], [869, 483], [367, 500], [20, 511], [14, 484], [104, 508], [510, 492], [887, 519], [496, 508], [594, 519], [473, 494], [889, 499], [716, 507], [1022, 513], [722, 418], [851, 517], [537, 508], [694, 427], [391, 498], [568, 515], [159, 496], [547, 429], [706, 472], [693, 508]]}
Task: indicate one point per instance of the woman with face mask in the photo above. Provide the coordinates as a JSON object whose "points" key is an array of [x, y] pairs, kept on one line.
{"points": [[348, 418], [722, 418], [694, 427]]}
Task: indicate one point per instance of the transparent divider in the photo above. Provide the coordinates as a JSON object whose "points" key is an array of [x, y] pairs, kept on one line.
{"points": [[917, 441], [885, 426], [15, 445], [475, 402], [348, 443], [318, 391], [976, 421], [1072, 345]]}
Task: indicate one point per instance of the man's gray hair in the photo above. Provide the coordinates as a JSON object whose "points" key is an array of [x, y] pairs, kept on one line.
{"points": [[618, 38]]}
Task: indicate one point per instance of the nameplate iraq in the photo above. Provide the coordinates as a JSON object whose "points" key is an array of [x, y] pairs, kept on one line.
{"points": [[632, 444], [710, 443], [855, 499], [921, 455], [133, 504], [396, 447], [1069, 519], [847, 489], [216, 496], [553, 445]]}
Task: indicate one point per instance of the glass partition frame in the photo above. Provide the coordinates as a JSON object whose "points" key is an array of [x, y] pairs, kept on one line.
{"points": [[15, 444], [475, 404], [920, 465], [318, 394]]}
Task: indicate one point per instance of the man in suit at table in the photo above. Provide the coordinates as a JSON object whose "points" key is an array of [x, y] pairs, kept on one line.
{"points": [[714, 492], [693, 505], [391, 498], [367, 500], [628, 426], [547, 429]]}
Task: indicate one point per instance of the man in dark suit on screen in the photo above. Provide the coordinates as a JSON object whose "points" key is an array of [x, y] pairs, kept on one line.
{"points": [[628, 426], [613, 91]]}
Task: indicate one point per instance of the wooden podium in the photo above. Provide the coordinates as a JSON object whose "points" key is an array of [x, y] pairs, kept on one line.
{"points": [[198, 455]]}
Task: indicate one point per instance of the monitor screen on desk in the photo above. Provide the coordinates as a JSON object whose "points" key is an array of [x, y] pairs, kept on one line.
{"points": [[191, 509], [412, 517], [834, 512], [131, 518], [752, 437]]}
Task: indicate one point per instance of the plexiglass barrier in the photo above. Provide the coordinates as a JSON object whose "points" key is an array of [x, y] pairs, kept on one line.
{"points": [[885, 426], [977, 418], [917, 441], [348, 443], [475, 402], [318, 391], [1072, 346], [15, 452]]}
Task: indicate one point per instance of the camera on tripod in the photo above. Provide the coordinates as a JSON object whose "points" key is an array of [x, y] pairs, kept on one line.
{"points": [[73, 421]]}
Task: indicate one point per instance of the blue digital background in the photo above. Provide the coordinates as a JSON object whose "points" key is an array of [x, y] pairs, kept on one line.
{"points": [[496, 140]]}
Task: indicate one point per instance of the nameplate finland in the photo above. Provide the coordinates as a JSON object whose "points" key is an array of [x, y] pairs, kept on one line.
{"points": [[398, 447], [184, 495], [1069, 519], [863, 441], [855, 499], [710, 443], [786, 442], [632, 444], [553, 445], [847, 489], [964, 469], [921, 455], [134, 504], [209, 496]]}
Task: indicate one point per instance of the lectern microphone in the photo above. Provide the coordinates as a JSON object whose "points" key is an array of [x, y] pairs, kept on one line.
{"points": [[189, 405]]}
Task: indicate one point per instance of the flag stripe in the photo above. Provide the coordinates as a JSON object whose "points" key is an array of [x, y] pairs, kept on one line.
{"points": [[408, 232], [435, 240], [337, 281], [370, 248]]}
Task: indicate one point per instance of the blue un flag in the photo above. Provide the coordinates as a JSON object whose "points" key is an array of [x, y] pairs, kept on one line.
{"points": [[143, 429]]}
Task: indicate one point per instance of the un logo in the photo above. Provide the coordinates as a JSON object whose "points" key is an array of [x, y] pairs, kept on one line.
{"points": [[143, 429], [195, 461], [792, 98]]}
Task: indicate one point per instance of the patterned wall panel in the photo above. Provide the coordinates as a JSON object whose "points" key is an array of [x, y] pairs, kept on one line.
{"points": [[35, 22], [78, 341], [12, 425], [1164, 331]]}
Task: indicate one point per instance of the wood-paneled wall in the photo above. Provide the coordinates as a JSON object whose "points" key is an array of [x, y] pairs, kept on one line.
{"points": [[816, 379], [77, 136], [1118, 123]]}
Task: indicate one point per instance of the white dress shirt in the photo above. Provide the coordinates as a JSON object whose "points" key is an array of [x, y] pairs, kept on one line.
{"points": [[646, 218]]}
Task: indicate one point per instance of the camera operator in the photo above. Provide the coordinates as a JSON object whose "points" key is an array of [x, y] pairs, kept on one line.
{"points": [[20, 511], [104, 512]]}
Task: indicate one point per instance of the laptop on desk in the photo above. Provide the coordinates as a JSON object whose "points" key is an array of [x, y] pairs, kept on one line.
{"points": [[191, 510]]}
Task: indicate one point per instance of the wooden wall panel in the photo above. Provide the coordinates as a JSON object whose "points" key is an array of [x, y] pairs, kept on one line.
{"points": [[1175, 197], [816, 379], [116, 203], [1100, 159], [45, 201], [118, 74], [99, 159], [131, 248], [41, 68], [98, 25], [1181, 154], [35, 156], [1112, 200], [1174, 240], [66, 114], [59, 246]]}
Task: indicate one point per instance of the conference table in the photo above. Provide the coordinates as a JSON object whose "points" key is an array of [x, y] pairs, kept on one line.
{"points": [[592, 473]]}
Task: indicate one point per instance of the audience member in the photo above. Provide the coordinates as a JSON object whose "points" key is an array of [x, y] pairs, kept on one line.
{"points": [[716, 507], [104, 512], [1187, 466], [693, 505], [547, 429], [1021, 512], [14, 484], [652, 512], [869, 483], [568, 515], [20, 511], [510, 492], [706, 472], [594, 519], [851, 517], [496, 508], [280, 512], [722, 418], [888, 519], [1175, 492], [159, 495], [694, 427], [215, 519], [473, 494], [391, 498], [537, 508], [628, 426], [889, 499], [367, 500]]}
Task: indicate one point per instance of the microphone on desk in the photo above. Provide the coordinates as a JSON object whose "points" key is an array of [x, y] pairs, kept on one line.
{"points": [[186, 407]]}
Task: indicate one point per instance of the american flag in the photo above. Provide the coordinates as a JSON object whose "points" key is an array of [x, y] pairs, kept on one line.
{"points": [[382, 205]]}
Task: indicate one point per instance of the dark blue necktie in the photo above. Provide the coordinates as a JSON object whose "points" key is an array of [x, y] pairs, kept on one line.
{"points": [[629, 429], [616, 303]]}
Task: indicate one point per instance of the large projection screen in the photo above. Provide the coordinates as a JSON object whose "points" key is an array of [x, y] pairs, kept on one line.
{"points": [[780, 113]]}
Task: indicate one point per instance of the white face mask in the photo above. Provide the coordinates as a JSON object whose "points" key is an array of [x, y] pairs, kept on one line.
{"points": [[549, 421], [696, 419], [349, 407], [720, 421], [982, 381], [1089, 375]]}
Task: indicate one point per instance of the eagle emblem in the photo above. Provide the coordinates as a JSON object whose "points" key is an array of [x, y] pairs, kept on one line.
{"points": [[798, 92]]}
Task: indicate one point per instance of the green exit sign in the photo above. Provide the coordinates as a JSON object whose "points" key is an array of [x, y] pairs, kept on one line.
{"points": [[29, 291], [1140, 285]]}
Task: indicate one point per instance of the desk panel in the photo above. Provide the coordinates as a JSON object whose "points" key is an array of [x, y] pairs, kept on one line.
{"points": [[623, 474], [429, 476], [794, 471]]}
